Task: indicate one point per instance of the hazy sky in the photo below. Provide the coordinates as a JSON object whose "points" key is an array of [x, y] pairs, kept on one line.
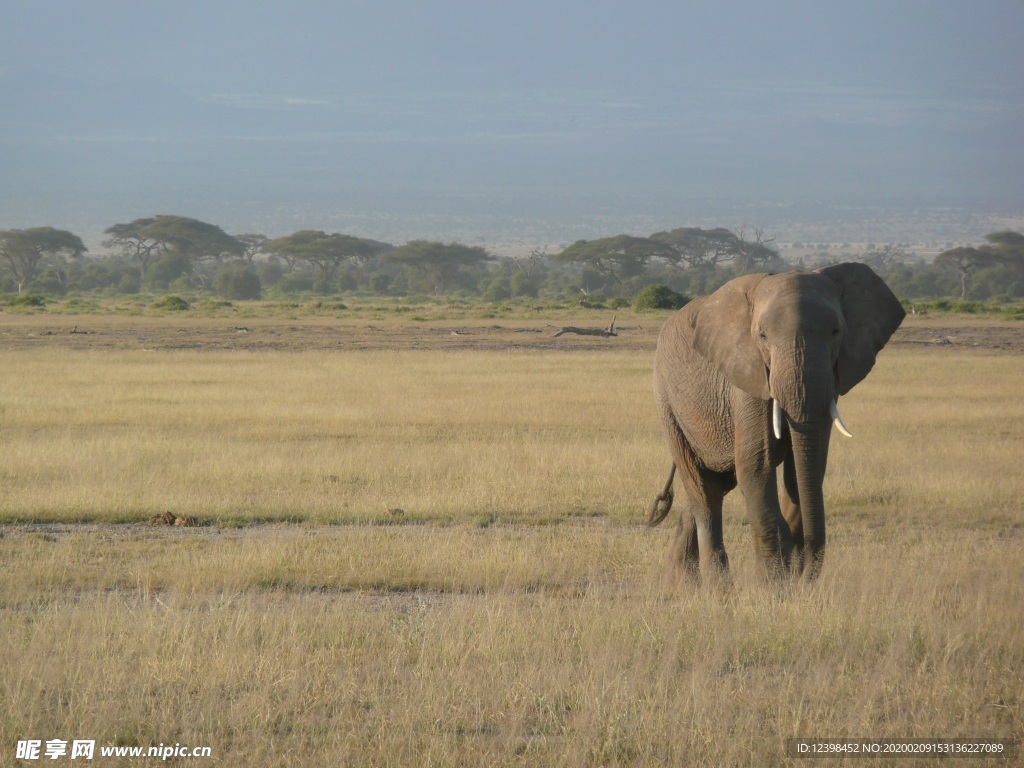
{"points": [[324, 112]]}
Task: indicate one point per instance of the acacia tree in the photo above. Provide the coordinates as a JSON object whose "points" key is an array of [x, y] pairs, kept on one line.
{"points": [[530, 263], [702, 251], [28, 251], [755, 254], [884, 257], [616, 258], [696, 248], [323, 251], [253, 244], [438, 263], [966, 261], [1007, 248], [1004, 249], [194, 241], [135, 242]]}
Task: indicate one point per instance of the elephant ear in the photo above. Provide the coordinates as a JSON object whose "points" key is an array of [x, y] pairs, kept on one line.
{"points": [[722, 334], [872, 314]]}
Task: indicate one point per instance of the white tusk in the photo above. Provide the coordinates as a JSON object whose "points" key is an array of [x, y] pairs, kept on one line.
{"points": [[777, 418], [833, 411]]}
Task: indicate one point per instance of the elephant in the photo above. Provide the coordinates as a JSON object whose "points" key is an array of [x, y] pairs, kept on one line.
{"points": [[747, 379]]}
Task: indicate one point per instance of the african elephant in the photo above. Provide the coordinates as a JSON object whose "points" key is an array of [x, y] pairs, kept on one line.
{"points": [[747, 379]]}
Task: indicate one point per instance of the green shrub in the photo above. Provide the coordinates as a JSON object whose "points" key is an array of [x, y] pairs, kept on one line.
{"points": [[380, 283], [498, 289], [171, 266], [171, 303], [238, 282], [28, 300], [969, 307], [521, 285], [659, 297]]}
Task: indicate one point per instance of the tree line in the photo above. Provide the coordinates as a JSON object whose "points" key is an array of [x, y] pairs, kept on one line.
{"points": [[180, 254]]}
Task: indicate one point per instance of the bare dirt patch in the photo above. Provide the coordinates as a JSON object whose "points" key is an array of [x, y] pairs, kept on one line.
{"points": [[304, 334], [636, 332], [959, 332]]}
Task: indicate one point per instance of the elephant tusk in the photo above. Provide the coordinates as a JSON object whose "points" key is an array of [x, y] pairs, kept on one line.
{"points": [[833, 411], [777, 418]]}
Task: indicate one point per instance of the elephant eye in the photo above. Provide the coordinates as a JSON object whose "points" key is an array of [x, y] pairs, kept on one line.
{"points": [[763, 336], [835, 331]]}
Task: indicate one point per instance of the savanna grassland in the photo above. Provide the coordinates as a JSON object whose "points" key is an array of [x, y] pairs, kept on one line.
{"points": [[422, 543]]}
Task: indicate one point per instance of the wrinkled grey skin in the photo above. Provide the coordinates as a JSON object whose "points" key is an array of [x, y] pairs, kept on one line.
{"points": [[802, 338]]}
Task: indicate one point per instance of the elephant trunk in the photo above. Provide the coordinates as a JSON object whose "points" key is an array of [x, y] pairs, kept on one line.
{"points": [[809, 463], [806, 394]]}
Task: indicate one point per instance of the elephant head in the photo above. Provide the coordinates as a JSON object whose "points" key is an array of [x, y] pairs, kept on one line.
{"points": [[800, 340]]}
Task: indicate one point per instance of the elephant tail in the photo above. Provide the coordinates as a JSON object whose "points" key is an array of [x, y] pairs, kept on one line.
{"points": [[662, 502]]}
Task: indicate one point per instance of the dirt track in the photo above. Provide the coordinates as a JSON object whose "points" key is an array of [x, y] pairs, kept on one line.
{"points": [[114, 332]]}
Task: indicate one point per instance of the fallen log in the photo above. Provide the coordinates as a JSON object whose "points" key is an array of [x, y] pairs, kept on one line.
{"points": [[605, 332]]}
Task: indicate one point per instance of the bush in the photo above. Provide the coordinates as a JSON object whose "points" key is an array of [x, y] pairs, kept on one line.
{"points": [[171, 303], [969, 307], [498, 289], [51, 283], [521, 285], [659, 297], [295, 282], [183, 284], [323, 287], [28, 300], [129, 283], [238, 282], [380, 283], [270, 273], [168, 268]]}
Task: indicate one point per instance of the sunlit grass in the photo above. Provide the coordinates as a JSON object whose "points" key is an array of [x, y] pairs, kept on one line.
{"points": [[485, 592], [557, 645], [487, 436], [120, 436]]}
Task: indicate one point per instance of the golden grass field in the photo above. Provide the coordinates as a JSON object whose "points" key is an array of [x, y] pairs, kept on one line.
{"points": [[438, 557]]}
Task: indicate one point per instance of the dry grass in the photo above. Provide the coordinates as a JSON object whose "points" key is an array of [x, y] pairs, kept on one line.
{"points": [[482, 636], [327, 438]]}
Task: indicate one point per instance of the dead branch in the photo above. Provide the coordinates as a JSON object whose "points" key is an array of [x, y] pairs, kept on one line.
{"points": [[605, 332]]}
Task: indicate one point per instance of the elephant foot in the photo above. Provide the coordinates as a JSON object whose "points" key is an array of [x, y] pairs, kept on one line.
{"points": [[813, 562]]}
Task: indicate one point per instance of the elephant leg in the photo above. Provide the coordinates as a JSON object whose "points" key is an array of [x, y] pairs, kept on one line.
{"points": [[684, 557], [791, 511], [755, 471], [773, 541], [698, 547], [699, 541]]}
